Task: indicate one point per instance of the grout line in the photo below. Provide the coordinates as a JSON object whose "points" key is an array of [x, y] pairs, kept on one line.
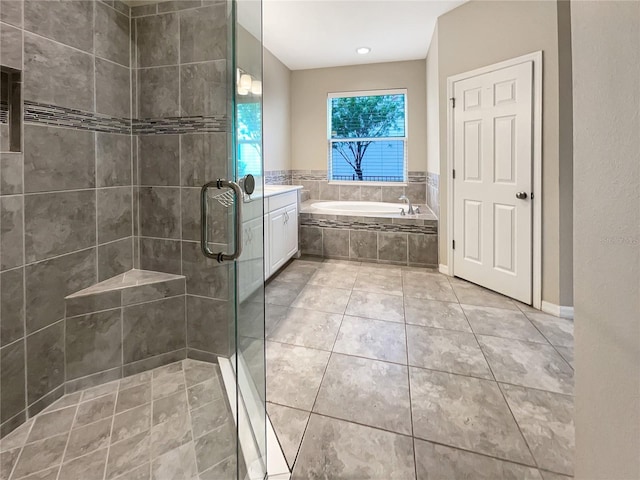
{"points": [[495, 380], [64, 453], [113, 421]]}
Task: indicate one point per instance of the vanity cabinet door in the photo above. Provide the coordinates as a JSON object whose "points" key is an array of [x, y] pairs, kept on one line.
{"points": [[277, 239], [291, 230]]}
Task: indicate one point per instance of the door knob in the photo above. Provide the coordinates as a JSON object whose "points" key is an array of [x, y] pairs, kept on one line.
{"points": [[521, 195]]}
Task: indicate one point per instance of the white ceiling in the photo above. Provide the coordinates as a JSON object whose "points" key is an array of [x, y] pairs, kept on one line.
{"points": [[325, 33]]}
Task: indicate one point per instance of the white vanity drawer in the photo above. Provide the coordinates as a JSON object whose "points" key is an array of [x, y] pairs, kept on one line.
{"points": [[282, 200]]}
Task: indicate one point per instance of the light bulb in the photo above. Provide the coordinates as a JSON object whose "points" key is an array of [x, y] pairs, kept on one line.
{"points": [[243, 91], [256, 87], [363, 50], [245, 81]]}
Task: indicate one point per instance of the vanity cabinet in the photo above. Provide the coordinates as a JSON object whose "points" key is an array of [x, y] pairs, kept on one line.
{"points": [[281, 235]]}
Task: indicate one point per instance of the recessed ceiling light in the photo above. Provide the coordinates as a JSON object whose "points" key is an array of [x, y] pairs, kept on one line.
{"points": [[363, 50]]}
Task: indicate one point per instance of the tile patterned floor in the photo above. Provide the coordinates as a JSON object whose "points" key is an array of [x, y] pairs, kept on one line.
{"points": [[401, 373], [170, 423]]}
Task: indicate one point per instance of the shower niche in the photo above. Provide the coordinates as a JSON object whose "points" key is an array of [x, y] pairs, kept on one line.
{"points": [[10, 109]]}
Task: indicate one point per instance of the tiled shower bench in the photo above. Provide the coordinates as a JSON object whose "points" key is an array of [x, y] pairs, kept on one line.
{"points": [[124, 325]]}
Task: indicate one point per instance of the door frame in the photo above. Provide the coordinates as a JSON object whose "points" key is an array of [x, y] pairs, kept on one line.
{"points": [[536, 189]]}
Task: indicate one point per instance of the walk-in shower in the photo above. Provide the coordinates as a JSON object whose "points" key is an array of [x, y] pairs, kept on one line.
{"points": [[125, 350]]}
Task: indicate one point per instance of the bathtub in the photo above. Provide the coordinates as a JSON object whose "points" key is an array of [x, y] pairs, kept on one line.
{"points": [[369, 232], [354, 208]]}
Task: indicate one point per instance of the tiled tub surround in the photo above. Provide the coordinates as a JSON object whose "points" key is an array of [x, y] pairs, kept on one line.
{"points": [[172, 422], [315, 182], [395, 239], [387, 372], [66, 201], [124, 325]]}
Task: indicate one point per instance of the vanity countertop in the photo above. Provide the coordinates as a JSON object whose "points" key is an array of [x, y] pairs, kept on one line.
{"points": [[271, 190]]}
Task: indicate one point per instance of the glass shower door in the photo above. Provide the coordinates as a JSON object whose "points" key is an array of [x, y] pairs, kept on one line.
{"points": [[249, 361], [234, 203]]}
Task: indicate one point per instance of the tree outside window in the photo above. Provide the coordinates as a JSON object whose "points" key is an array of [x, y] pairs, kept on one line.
{"points": [[367, 136]]}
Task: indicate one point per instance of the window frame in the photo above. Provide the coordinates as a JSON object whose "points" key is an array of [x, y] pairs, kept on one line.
{"points": [[405, 139]]}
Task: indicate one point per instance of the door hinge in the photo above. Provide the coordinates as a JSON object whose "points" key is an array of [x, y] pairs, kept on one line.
{"points": [[453, 244], [453, 102], [454, 173]]}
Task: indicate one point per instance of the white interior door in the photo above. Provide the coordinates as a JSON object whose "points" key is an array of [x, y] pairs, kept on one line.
{"points": [[493, 131]]}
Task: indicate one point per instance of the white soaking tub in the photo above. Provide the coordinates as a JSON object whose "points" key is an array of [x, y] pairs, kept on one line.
{"points": [[355, 208]]}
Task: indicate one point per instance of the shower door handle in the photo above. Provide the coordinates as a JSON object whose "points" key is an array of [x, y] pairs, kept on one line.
{"points": [[226, 199]]}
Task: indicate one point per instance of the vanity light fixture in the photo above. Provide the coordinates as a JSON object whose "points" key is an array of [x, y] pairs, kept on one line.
{"points": [[245, 84], [245, 81], [363, 50], [256, 87]]}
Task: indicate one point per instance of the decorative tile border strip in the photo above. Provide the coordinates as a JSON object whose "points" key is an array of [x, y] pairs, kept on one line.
{"points": [[39, 113], [176, 125], [430, 227], [71, 118], [277, 177]]}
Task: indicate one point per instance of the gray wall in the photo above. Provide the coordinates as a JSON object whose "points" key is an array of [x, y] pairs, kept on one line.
{"points": [[276, 114], [606, 142], [181, 105], [481, 33], [66, 201], [309, 89]]}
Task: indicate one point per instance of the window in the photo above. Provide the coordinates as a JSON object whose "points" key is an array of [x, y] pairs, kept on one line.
{"points": [[249, 139], [368, 136]]}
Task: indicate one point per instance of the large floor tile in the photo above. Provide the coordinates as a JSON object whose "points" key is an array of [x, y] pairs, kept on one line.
{"points": [[282, 293], [378, 282], [527, 364], [341, 278], [366, 391], [553, 476], [378, 306], [559, 331], [374, 339], [307, 328], [429, 287], [337, 450], [500, 322], [546, 421], [294, 374], [470, 294], [378, 268], [297, 273], [567, 354], [465, 412], [446, 350], [433, 313], [437, 462], [289, 425], [273, 314], [323, 299]]}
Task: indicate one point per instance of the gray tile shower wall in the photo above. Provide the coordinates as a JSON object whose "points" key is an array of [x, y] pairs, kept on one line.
{"points": [[433, 193], [66, 200], [180, 110]]}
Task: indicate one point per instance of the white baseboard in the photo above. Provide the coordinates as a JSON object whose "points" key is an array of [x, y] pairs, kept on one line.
{"points": [[444, 269], [557, 310]]}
